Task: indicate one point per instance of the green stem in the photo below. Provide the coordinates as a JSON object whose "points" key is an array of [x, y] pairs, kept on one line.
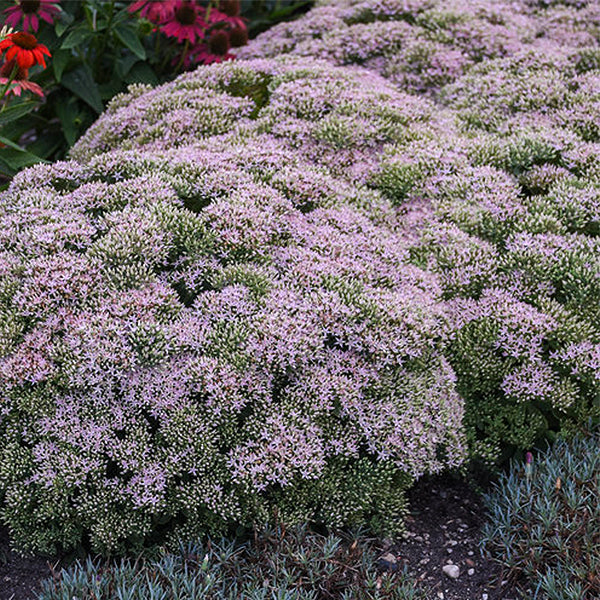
{"points": [[104, 41], [7, 85], [183, 55]]}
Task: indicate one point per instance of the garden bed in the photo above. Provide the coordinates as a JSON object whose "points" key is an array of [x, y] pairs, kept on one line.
{"points": [[445, 514]]}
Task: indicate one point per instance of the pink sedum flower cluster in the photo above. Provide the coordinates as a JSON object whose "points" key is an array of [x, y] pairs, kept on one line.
{"points": [[282, 285], [210, 325]]}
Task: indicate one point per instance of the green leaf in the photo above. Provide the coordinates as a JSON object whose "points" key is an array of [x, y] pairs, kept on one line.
{"points": [[141, 72], [12, 113], [76, 38], [110, 89], [63, 22], [124, 65], [129, 39], [16, 157], [82, 84], [67, 113], [60, 59], [45, 145]]}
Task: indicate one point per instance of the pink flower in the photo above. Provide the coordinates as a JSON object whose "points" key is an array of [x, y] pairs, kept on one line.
{"points": [[215, 50], [31, 11], [154, 11], [185, 23], [233, 20], [19, 82]]}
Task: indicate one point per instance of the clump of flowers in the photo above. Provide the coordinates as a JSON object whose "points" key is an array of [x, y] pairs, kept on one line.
{"points": [[205, 339], [207, 32], [421, 45]]}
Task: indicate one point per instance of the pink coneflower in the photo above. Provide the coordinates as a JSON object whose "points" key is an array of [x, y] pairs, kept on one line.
{"points": [[152, 10], [185, 23], [238, 37], [19, 79], [228, 12], [31, 11], [215, 50]]}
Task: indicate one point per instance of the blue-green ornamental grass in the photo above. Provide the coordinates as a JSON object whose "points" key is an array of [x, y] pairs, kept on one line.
{"points": [[279, 565], [545, 521]]}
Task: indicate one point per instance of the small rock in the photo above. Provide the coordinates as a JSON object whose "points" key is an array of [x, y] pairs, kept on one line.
{"points": [[452, 542], [389, 558], [449, 550], [424, 561], [484, 597], [470, 562], [389, 562], [452, 571], [470, 553], [418, 538], [440, 595], [471, 572]]}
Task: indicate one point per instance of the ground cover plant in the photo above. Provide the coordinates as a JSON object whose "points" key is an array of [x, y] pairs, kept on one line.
{"points": [[504, 193], [286, 287], [288, 565], [545, 521]]}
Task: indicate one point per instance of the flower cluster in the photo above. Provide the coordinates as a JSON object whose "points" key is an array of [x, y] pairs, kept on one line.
{"points": [[283, 285], [209, 33], [195, 336], [498, 192], [420, 45]]}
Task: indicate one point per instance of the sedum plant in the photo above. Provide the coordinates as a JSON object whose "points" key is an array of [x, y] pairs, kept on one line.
{"points": [[195, 338], [496, 192]]}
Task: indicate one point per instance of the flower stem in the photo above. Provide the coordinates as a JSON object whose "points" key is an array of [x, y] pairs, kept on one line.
{"points": [[7, 85], [186, 47]]}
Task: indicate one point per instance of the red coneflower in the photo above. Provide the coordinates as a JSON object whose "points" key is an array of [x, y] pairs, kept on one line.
{"points": [[19, 81], [31, 11], [25, 49], [186, 22]]}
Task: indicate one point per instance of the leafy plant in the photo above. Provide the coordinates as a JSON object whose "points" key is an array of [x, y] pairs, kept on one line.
{"points": [[285, 564], [545, 521]]}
